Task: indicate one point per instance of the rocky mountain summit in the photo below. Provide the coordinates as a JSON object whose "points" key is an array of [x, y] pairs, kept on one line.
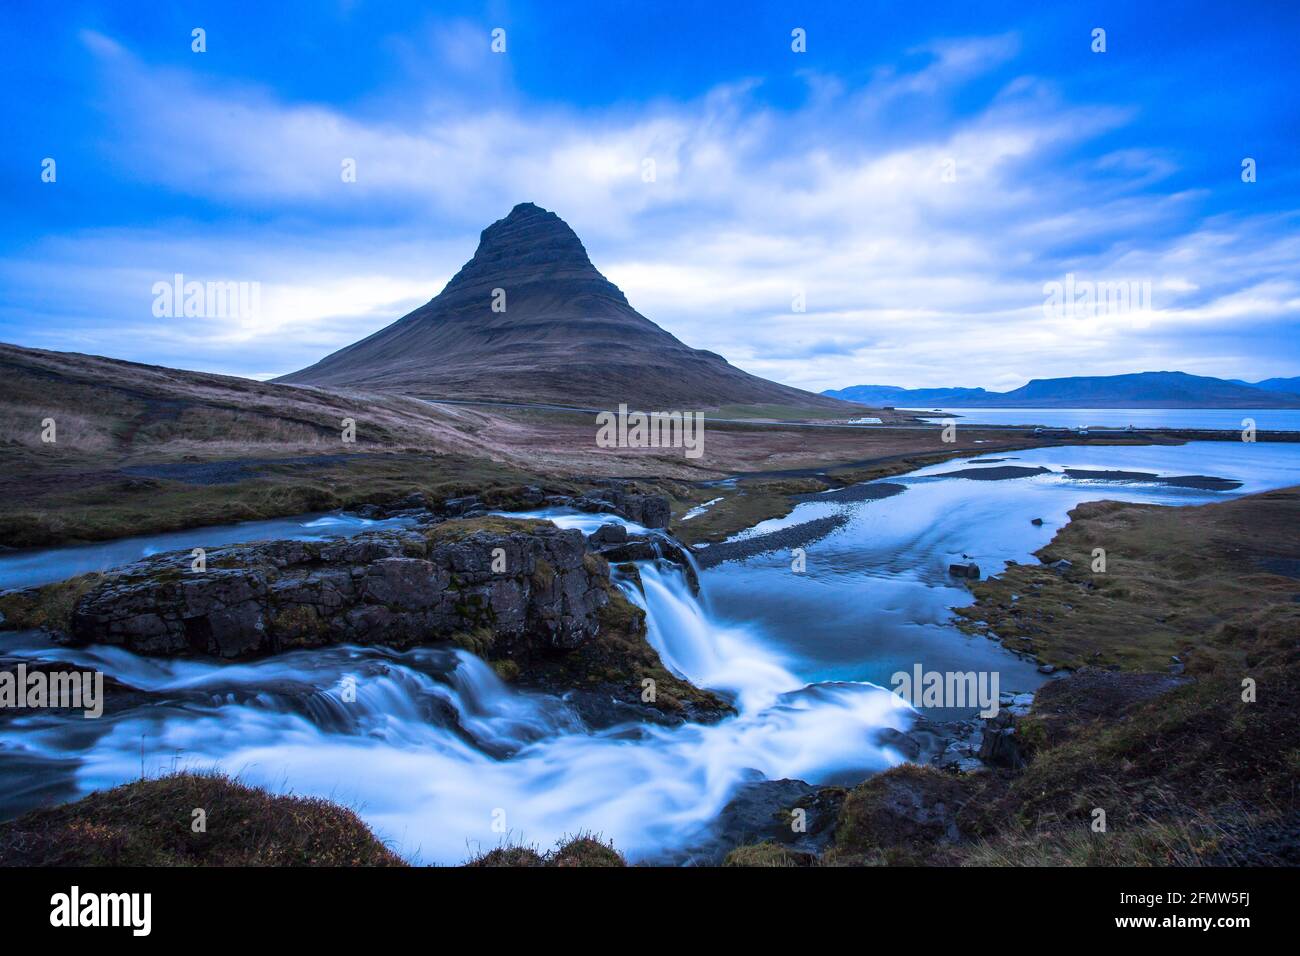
{"points": [[530, 319]]}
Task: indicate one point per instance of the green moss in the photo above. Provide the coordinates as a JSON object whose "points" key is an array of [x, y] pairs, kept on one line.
{"points": [[474, 611], [1032, 733], [479, 641], [903, 814], [620, 615], [300, 625], [50, 606], [506, 669]]}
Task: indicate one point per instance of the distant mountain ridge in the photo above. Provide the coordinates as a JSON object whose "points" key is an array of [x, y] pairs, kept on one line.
{"points": [[529, 319], [1134, 390], [1273, 384]]}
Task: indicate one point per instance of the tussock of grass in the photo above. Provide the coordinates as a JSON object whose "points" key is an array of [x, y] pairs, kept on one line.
{"points": [[766, 854], [150, 823], [582, 849]]}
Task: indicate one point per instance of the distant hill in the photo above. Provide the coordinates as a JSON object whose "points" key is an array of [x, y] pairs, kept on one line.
{"points": [[1291, 385], [561, 333], [1136, 390], [904, 397]]}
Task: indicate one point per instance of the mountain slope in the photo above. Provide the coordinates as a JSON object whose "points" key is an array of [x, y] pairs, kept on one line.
{"points": [[1135, 390], [567, 336], [1291, 385]]}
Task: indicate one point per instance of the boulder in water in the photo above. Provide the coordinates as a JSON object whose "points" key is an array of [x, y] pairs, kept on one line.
{"points": [[612, 533]]}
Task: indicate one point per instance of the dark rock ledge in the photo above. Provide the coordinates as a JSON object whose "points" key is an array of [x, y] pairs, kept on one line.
{"points": [[387, 587], [608, 496], [535, 601]]}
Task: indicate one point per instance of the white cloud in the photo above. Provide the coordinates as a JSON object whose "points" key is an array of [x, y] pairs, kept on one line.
{"points": [[910, 279]]}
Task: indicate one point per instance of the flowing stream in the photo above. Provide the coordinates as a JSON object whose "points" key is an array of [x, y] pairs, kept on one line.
{"points": [[436, 753]]}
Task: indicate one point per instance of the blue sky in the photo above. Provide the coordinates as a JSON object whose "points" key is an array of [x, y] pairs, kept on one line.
{"points": [[918, 175]]}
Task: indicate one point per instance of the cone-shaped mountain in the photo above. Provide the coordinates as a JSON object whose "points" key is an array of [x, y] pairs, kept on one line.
{"points": [[567, 335]]}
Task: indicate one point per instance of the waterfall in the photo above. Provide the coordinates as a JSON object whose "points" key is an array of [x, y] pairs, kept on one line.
{"points": [[434, 748]]}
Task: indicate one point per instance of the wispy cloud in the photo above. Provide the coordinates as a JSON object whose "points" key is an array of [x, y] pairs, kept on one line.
{"points": [[921, 250]]}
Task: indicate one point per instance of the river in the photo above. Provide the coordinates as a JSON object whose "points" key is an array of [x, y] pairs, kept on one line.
{"points": [[436, 749]]}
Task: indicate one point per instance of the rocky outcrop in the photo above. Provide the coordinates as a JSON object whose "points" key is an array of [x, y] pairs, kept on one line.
{"points": [[608, 534], [649, 511], [791, 813], [893, 815], [613, 543], [536, 584], [1000, 745]]}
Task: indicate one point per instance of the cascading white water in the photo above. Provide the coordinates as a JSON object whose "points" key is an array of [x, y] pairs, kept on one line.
{"points": [[435, 782], [703, 650]]}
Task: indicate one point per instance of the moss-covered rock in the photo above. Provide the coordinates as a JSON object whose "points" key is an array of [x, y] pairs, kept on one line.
{"points": [[528, 583]]}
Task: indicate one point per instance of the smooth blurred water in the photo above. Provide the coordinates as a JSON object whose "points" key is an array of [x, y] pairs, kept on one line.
{"points": [[435, 747], [434, 783], [875, 596]]}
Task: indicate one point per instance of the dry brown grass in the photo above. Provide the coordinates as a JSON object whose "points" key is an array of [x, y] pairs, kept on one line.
{"points": [[23, 425]]}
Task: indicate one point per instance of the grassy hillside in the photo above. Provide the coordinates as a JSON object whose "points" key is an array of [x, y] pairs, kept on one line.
{"points": [[143, 449]]}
